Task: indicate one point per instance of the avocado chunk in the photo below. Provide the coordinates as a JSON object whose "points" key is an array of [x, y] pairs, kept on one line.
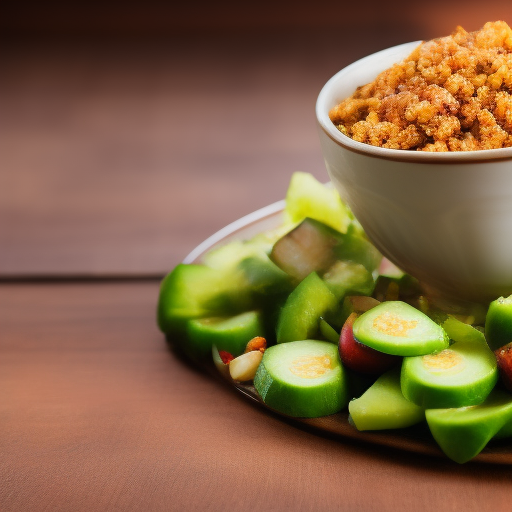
{"points": [[383, 406], [300, 317], [462, 433], [498, 323], [302, 379], [230, 334], [459, 376], [397, 328]]}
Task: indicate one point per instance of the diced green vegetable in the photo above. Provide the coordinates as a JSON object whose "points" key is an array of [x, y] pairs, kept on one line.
{"points": [[329, 332], [464, 432], [459, 376], [347, 277], [307, 248], [263, 277], [498, 323], [227, 257], [383, 406], [460, 331], [195, 291], [315, 247], [359, 250], [399, 329], [300, 317], [302, 379], [230, 334], [307, 197]]}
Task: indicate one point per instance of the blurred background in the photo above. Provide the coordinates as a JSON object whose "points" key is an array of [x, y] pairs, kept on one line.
{"points": [[129, 132]]}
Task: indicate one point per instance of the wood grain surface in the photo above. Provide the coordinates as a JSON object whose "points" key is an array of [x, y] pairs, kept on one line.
{"points": [[97, 414]]}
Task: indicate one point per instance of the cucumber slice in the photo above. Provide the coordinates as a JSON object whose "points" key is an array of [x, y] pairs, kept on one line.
{"points": [[299, 319], [463, 433], [302, 379], [399, 329], [191, 291], [498, 323], [248, 263], [307, 197], [460, 376], [347, 277], [383, 406], [230, 334]]}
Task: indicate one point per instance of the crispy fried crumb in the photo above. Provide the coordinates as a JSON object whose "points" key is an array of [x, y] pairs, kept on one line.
{"points": [[450, 94]]}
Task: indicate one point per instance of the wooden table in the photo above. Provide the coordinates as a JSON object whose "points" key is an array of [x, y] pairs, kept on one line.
{"points": [[116, 160]]}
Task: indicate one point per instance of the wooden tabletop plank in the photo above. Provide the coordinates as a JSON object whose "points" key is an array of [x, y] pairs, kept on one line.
{"points": [[97, 413]]}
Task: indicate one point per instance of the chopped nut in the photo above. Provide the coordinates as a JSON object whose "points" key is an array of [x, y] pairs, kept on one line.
{"points": [[244, 367], [257, 343]]}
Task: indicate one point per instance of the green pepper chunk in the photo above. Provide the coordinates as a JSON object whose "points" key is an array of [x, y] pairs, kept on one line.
{"points": [[463, 433], [498, 323], [300, 317], [383, 406]]}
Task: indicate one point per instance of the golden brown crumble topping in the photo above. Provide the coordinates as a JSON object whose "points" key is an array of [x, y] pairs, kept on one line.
{"points": [[449, 94]]}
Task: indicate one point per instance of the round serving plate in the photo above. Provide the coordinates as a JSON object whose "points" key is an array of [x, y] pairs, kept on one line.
{"points": [[415, 439]]}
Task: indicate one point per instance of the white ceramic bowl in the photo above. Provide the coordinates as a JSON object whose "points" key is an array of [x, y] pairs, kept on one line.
{"points": [[446, 218]]}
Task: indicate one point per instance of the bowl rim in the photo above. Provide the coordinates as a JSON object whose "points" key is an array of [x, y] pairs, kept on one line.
{"points": [[323, 106]]}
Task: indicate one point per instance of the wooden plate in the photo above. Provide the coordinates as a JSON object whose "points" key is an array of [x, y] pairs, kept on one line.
{"points": [[415, 439]]}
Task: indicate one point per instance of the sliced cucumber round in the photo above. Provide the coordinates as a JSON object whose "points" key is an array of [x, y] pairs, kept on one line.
{"points": [[397, 328], [459, 376], [228, 333], [302, 379]]}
